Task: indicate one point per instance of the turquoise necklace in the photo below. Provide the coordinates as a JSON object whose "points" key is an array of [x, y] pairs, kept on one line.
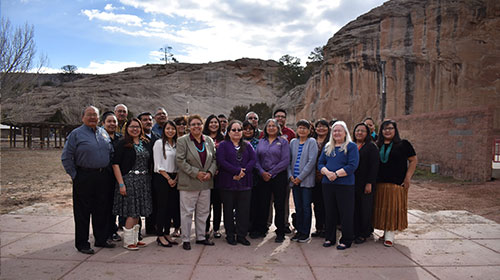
{"points": [[139, 147], [202, 149], [384, 155]]}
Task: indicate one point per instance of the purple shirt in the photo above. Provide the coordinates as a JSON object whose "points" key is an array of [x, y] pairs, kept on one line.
{"points": [[273, 157], [230, 164]]}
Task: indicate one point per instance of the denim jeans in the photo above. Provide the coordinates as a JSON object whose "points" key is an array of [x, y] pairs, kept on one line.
{"points": [[302, 198]]}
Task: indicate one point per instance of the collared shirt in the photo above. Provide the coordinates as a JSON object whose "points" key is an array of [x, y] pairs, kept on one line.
{"points": [[157, 128], [161, 163], [121, 129], [273, 157], [86, 148], [201, 147]]}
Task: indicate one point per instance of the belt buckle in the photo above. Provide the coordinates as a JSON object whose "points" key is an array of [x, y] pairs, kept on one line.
{"points": [[137, 172]]}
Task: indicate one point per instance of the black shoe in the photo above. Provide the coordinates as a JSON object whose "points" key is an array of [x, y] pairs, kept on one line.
{"points": [[243, 240], [88, 251], [327, 244], [186, 246], [359, 240], [343, 246], [140, 236], [316, 233], [206, 242], [296, 237], [287, 230], [105, 245], [279, 238], [230, 240], [160, 243], [217, 234], [303, 238], [116, 237]]}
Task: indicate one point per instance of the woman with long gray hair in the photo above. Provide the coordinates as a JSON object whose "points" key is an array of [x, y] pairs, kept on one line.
{"points": [[337, 163]]}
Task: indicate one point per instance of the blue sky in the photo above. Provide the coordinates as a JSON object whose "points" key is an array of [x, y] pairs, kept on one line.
{"points": [[105, 36]]}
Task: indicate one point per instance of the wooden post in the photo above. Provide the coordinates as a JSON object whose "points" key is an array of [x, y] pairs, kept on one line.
{"points": [[30, 136], [24, 136], [40, 129], [10, 136], [14, 132]]}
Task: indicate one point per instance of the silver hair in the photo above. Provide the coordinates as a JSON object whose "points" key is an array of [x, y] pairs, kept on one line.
{"points": [[122, 105], [249, 113], [163, 109], [330, 146], [90, 106]]}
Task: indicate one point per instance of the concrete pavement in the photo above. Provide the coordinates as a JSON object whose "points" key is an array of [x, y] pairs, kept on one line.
{"points": [[441, 245]]}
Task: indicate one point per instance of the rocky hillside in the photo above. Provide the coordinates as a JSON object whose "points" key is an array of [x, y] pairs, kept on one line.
{"points": [[408, 57], [199, 88]]}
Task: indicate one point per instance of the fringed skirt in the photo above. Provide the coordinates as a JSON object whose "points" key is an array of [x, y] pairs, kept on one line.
{"points": [[391, 207]]}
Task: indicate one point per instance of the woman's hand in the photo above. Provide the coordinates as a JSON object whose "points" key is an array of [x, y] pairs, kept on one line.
{"points": [[123, 190], [406, 183], [201, 176], [171, 182], [266, 176], [330, 175], [368, 188]]}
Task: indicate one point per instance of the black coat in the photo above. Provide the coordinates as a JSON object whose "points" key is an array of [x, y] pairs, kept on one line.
{"points": [[125, 157], [368, 165]]}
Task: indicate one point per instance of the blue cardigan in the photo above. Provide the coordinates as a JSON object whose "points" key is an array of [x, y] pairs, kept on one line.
{"points": [[338, 160], [307, 161]]}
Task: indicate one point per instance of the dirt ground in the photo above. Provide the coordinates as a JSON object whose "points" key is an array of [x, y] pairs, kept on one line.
{"points": [[37, 176]]}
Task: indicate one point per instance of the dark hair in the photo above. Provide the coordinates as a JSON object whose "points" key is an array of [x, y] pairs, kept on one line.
{"points": [[303, 122], [324, 122], [368, 138], [164, 138], [106, 114], [279, 110], [144, 114], [129, 141], [330, 123], [396, 139], [248, 124], [180, 119], [221, 116], [266, 135], [219, 136], [368, 118], [242, 142]]}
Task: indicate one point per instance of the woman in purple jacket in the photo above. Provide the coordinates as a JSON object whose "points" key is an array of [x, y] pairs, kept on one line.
{"points": [[273, 156], [236, 160]]}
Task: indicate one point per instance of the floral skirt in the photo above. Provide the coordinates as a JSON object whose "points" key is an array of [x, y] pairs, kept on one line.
{"points": [[391, 207]]}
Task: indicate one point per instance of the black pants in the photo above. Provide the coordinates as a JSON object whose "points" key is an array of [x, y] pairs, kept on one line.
{"points": [[151, 219], [339, 202], [166, 201], [216, 204], [363, 212], [262, 197], [112, 227], [236, 211], [319, 206], [91, 198]]}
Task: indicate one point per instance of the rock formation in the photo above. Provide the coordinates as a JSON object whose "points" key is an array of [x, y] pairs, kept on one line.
{"points": [[201, 88], [408, 57]]}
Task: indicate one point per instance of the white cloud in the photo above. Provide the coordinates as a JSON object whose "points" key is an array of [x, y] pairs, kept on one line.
{"points": [[107, 67], [130, 20], [109, 7], [213, 30]]}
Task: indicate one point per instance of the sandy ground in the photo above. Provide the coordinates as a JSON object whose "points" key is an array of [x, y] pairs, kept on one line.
{"points": [[31, 177]]}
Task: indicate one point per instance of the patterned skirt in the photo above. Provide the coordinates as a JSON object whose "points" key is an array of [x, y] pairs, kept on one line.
{"points": [[391, 207]]}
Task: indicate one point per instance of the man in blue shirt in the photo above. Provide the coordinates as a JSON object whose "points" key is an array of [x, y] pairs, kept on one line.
{"points": [[86, 154], [161, 118]]}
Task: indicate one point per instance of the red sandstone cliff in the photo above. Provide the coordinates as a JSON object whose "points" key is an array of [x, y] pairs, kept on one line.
{"points": [[434, 55]]}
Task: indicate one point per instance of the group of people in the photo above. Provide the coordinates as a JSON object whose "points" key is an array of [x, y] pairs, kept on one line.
{"points": [[166, 172]]}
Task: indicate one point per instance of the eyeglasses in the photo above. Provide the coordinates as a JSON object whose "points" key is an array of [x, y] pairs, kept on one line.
{"points": [[360, 131], [253, 118], [161, 113], [134, 127], [195, 124], [121, 111], [388, 128], [236, 130]]}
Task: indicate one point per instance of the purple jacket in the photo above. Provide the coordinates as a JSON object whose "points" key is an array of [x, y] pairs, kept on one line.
{"points": [[273, 158], [229, 166]]}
